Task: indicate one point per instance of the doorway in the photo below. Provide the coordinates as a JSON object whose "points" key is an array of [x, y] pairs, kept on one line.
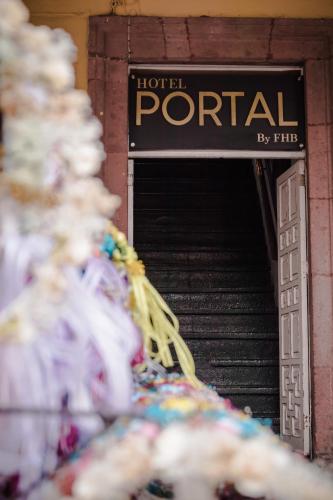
{"points": [[198, 227]]}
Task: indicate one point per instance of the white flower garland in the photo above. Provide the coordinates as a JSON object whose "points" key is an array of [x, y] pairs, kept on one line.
{"points": [[61, 343], [51, 151]]}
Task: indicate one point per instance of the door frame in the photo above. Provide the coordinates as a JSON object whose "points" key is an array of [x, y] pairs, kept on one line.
{"points": [[246, 155], [214, 154]]}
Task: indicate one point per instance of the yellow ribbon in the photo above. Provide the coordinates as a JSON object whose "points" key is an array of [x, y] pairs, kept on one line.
{"points": [[159, 325]]}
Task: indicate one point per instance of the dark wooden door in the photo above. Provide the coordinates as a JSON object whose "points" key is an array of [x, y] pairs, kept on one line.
{"points": [[198, 228]]}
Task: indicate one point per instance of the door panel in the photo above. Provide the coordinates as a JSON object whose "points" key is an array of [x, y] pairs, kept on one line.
{"points": [[293, 313]]}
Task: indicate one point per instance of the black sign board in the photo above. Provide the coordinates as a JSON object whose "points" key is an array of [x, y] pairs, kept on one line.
{"points": [[217, 111]]}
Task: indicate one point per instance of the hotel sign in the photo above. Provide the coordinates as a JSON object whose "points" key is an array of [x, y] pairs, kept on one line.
{"points": [[216, 111]]}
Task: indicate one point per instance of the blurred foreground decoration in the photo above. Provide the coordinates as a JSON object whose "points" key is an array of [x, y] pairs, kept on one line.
{"points": [[64, 345], [192, 440], [69, 332]]}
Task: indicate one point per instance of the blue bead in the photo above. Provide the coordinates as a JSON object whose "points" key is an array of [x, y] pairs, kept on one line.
{"points": [[108, 246]]}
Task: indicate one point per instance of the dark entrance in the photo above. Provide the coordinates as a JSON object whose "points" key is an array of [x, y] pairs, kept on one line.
{"points": [[198, 228]]}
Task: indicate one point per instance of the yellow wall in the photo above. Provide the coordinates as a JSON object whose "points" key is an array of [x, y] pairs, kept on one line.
{"points": [[77, 27], [72, 15]]}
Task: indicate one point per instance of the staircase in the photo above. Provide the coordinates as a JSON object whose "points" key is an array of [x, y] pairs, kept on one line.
{"points": [[198, 228]]}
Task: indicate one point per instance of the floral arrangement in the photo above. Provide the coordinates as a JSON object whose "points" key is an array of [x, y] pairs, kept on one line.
{"points": [[67, 340], [187, 443]]}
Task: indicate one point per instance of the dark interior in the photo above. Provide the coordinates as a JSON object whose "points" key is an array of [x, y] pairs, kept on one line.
{"points": [[199, 229]]}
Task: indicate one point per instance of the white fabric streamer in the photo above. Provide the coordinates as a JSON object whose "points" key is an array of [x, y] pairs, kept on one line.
{"points": [[84, 360]]}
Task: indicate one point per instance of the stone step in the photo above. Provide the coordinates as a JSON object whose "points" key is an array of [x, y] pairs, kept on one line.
{"points": [[193, 200], [229, 326], [235, 352], [196, 281], [226, 303], [217, 220], [247, 260], [173, 239]]}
